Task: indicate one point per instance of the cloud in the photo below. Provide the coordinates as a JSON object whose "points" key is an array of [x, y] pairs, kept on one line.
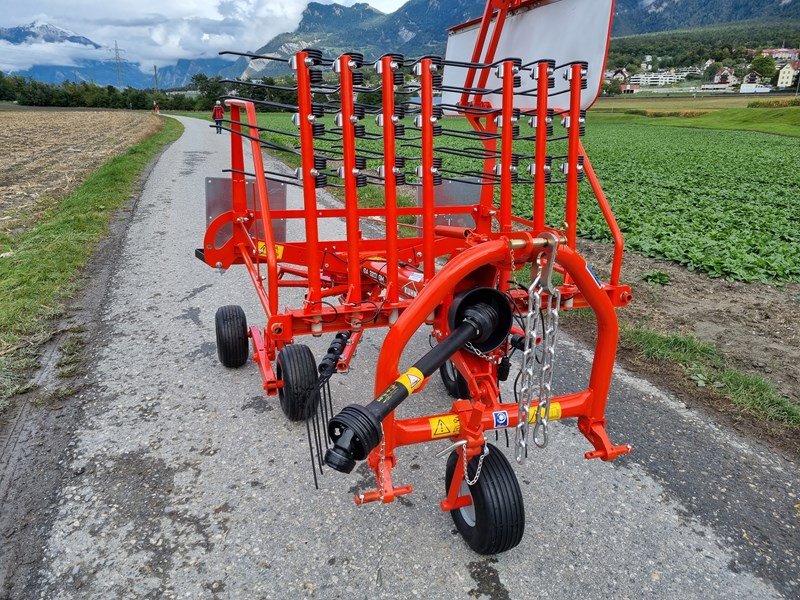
{"points": [[21, 57], [154, 31]]}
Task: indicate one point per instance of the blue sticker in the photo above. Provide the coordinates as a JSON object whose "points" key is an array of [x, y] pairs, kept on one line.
{"points": [[596, 279], [500, 419]]}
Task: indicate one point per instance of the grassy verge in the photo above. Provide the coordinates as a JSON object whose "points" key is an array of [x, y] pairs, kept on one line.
{"points": [[705, 365], [39, 268]]}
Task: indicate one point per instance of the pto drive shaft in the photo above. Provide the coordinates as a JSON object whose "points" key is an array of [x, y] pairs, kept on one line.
{"points": [[356, 430]]}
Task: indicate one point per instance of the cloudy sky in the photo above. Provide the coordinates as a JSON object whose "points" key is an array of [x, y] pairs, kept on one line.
{"points": [[154, 31]]}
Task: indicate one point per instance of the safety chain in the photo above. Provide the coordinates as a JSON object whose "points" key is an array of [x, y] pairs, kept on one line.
{"points": [[474, 480], [541, 283], [546, 371], [477, 352]]}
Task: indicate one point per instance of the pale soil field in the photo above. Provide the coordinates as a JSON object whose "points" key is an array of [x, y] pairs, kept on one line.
{"points": [[683, 101], [47, 154]]}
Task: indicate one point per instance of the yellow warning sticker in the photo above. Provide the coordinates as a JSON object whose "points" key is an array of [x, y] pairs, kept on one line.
{"points": [[554, 414], [411, 380], [445, 426], [262, 250]]}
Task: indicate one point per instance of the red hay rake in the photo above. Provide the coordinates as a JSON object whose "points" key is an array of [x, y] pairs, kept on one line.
{"points": [[461, 280]]}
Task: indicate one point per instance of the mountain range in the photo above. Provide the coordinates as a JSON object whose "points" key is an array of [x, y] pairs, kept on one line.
{"points": [[418, 27], [41, 32], [102, 71]]}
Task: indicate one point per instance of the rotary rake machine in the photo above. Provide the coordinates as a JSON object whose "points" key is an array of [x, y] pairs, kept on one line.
{"points": [[458, 272]]}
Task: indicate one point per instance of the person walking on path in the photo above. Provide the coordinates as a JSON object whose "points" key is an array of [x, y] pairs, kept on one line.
{"points": [[218, 113]]}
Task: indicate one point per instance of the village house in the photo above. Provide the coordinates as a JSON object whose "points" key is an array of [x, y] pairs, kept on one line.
{"points": [[621, 75], [787, 74], [726, 77], [752, 77]]}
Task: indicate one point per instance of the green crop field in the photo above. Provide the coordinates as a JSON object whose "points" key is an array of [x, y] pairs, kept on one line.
{"points": [[698, 190]]}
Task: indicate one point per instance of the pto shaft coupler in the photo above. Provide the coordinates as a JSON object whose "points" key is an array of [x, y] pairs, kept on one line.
{"points": [[481, 317]]}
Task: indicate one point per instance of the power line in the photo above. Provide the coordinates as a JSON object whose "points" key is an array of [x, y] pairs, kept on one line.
{"points": [[118, 63]]}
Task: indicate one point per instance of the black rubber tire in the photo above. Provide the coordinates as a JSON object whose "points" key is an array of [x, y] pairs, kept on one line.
{"points": [[453, 381], [499, 512], [233, 347], [298, 371]]}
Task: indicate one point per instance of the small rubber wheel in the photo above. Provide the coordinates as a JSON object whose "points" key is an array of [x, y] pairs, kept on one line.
{"points": [[298, 371], [453, 381], [233, 347], [495, 522]]}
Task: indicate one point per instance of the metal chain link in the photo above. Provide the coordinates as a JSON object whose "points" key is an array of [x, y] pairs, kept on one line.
{"points": [[546, 371], [528, 365], [477, 352], [541, 283], [474, 480]]}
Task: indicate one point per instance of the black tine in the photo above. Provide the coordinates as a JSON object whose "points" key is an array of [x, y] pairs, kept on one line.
{"points": [[323, 401], [317, 441], [311, 452]]}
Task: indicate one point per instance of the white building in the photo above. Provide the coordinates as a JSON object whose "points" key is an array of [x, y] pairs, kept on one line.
{"points": [[781, 54], [755, 88], [654, 79], [787, 74], [683, 72]]}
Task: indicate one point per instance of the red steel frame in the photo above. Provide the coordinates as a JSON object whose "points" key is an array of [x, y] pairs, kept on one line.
{"points": [[485, 256]]}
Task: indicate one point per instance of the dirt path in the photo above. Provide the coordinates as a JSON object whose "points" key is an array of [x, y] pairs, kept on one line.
{"points": [[182, 479], [48, 153]]}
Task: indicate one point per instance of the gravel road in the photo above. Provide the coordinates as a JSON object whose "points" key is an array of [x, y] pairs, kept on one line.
{"points": [[183, 480]]}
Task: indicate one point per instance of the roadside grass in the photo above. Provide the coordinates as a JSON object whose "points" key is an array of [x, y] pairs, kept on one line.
{"points": [[705, 365], [40, 267]]}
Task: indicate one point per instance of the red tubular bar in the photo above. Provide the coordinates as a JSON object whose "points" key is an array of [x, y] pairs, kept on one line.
{"points": [[588, 406], [502, 13], [431, 296], [263, 204], [608, 215], [540, 176], [573, 151], [417, 430], [483, 220], [389, 177], [350, 188], [478, 50], [605, 349], [507, 145], [309, 182], [428, 216], [238, 184]]}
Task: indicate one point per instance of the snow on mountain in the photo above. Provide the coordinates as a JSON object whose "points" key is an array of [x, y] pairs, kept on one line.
{"points": [[41, 32]]}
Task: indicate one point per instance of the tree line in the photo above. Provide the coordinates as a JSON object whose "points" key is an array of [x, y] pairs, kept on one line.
{"points": [[727, 45], [29, 92]]}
